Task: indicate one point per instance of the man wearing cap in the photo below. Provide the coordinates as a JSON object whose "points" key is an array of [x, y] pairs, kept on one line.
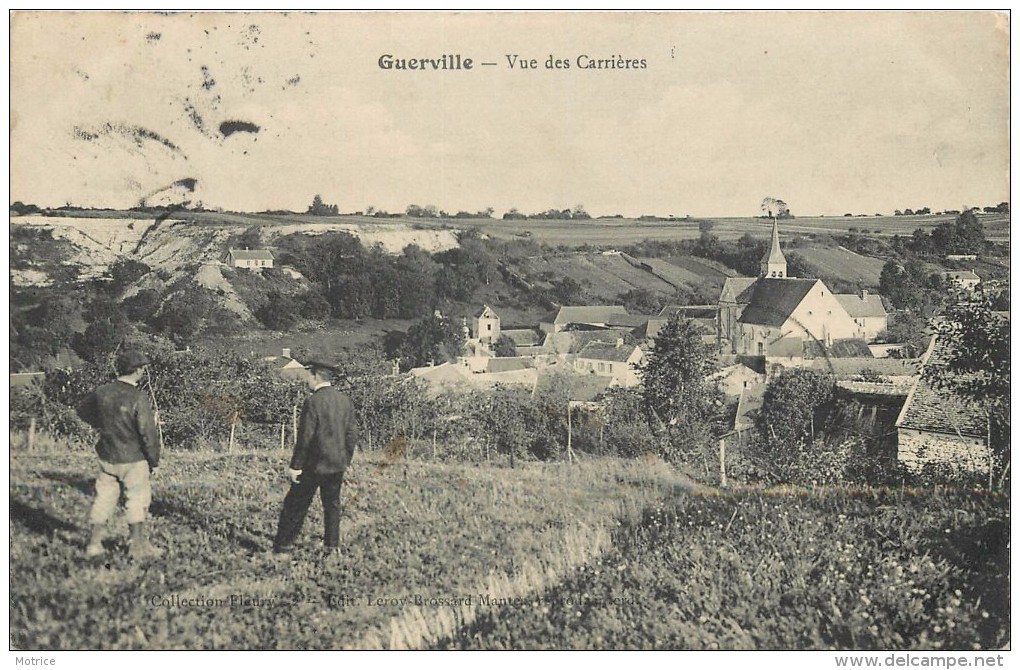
{"points": [[325, 445], [128, 450]]}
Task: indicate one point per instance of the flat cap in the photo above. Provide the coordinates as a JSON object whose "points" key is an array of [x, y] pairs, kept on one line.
{"points": [[319, 365], [130, 360]]}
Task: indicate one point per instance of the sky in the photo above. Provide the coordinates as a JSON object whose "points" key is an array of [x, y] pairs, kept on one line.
{"points": [[832, 112]]}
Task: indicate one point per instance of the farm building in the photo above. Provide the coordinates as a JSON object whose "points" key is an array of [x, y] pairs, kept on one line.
{"points": [[616, 360], [938, 426], [593, 316], [288, 367], [965, 279], [250, 258], [867, 311]]}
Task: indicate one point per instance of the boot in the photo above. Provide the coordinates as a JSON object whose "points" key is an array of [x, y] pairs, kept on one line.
{"points": [[139, 545], [95, 545]]}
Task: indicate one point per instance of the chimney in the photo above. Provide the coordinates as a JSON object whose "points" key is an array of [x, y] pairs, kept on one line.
{"points": [[864, 294], [619, 342], [286, 352]]}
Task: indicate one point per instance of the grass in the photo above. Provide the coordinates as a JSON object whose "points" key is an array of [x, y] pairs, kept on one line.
{"points": [[410, 529], [757, 570]]}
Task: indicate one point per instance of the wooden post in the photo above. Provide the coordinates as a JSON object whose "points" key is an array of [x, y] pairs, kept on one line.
{"points": [[294, 423], [570, 435], [31, 433], [722, 461], [434, 456], [283, 435], [233, 424]]}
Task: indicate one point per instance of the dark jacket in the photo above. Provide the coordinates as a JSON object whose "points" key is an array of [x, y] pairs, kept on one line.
{"points": [[123, 416], [327, 433]]}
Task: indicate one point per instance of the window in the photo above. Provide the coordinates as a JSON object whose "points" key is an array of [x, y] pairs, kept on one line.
{"points": [[488, 326]]}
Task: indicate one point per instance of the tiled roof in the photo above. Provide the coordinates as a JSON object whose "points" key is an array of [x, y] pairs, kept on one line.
{"points": [[737, 289], [874, 388], [940, 410], [961, 274], [579, 339], [848, 367], [579, 387], [601, 351], [843, 348], [774, 300], [251, 254], [523, 337], [584, 314], [691, 311], [509, 364], [858, 307], [487, 312]]}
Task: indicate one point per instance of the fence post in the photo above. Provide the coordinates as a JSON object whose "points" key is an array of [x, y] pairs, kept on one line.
{"points": [[31, 433], [283, 435], [233, 423], [722, 461], [294, 423]]}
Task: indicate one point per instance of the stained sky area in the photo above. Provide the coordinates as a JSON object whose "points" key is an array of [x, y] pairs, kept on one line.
{"points": [[832, 112]]}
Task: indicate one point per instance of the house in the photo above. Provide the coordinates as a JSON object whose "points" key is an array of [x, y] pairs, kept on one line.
{"points": [[593, 316], [527, 341], [250, 258], [458, 377], [288, 367], [965, 279], [867, 311], [486, 326], [23, 379], [961, 257], [938, 426], [775, 314], [616, 360]]}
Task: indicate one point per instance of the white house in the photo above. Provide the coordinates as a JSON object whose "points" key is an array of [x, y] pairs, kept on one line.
{"points": [[867, 311], [250, 258], [965, 279], [617, 360]]}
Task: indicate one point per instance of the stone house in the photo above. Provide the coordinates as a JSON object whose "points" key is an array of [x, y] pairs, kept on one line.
{"points": [[255, 259], [616, 360]]}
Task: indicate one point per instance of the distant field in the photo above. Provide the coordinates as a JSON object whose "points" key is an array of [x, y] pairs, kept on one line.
{"points": [[601, 276], [842, 263]]}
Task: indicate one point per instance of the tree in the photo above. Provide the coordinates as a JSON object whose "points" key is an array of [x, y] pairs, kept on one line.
{"points": [[977, 363], [280, 312], [774, 208], [320, 208], [504, 347], [107, 328], [793, 403], [433, 339], [126, 271], [679, 403]]}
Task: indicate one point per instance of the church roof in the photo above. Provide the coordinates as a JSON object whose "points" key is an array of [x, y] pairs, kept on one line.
{"points": [[737, 289], [774, 254], [773, 301]]}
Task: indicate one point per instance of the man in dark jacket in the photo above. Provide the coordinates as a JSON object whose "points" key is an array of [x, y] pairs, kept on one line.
{"points": [[327, 435], [128, 450]]}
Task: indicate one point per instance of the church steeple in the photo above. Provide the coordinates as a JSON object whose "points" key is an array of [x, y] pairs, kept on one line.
{"points": [[773, 263]]}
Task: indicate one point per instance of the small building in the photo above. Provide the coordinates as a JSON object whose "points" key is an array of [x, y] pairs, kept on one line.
{"points": [[867, 311], [940, 427], [965, 279], [255, 259], [25, 379], [591, 316], [616, 360], [486, 326]]}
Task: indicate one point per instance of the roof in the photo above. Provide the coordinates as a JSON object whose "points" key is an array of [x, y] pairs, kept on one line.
{"points": [[27, 378], [626, 320], [582, 387], [602, 351], [579, 339], [509, 364], [584, 314], [774, 300], [737, 289], [961, 274], [486, 312], [938, 410], [874, 388], [453, 376], [692, 311], [774, 254], [849, 367], [861, 307], [523, 337], [842, 348], [251, 254]]}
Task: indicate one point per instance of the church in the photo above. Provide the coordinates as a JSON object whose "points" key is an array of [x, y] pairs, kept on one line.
{"points": [[774, 314]]}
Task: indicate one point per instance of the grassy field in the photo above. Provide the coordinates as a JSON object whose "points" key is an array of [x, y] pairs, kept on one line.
{"points": [[841, 263], [602, 554]]}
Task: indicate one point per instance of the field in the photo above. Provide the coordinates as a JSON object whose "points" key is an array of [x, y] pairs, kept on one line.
{"points": [[597, 555], [837, 262]]}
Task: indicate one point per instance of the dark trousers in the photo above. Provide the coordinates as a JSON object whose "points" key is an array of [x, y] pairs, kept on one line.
{"points": [[297, 502]]}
